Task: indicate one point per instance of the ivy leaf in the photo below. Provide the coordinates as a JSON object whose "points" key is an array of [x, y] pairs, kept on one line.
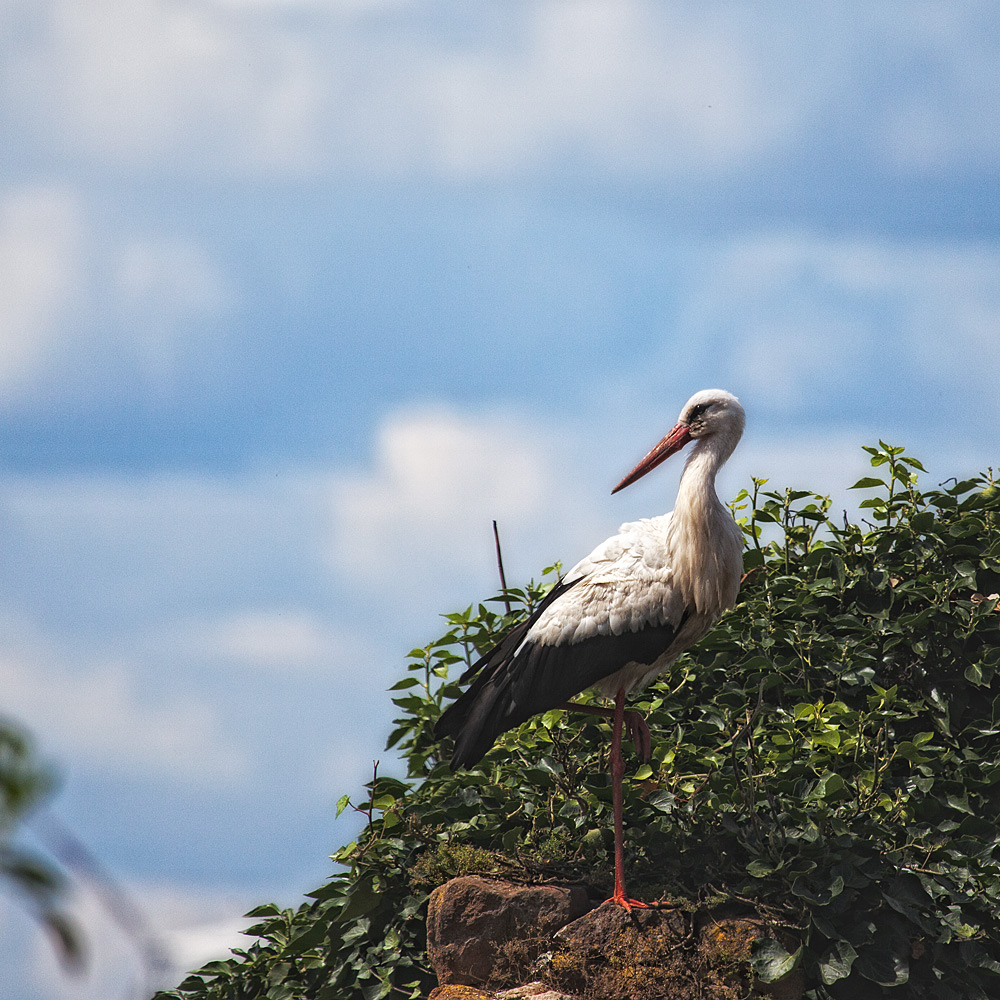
{"points": [[886, 968], [771, 961], [361, 899], [837, 961]]}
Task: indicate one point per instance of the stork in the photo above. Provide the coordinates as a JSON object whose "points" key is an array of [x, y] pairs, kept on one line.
{"points": [[621, 615]]}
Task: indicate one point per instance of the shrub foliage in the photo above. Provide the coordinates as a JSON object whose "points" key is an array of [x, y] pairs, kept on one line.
{"points": [[829, 754], [25, 784]]}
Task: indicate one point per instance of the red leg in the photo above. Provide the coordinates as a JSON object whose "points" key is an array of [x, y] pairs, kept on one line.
{"points": [[617, 773], [635, 725]]}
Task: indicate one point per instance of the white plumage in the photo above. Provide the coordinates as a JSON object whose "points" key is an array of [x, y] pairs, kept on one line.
{"points": [[629, 608], [621, 615]]}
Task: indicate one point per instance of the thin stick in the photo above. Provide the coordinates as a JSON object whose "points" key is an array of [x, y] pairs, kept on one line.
{"points": [[503, 579]]}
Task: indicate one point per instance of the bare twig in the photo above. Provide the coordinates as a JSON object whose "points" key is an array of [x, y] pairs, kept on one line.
{"points": [[369, 809], [503, 579]]}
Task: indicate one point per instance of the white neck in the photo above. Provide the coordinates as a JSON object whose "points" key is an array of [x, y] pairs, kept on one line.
{"points": [[696, 492], [705, 541]]}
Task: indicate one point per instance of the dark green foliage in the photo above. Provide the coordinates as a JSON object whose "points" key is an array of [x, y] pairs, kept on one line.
{"points": [[24, 785], [830, 754]]}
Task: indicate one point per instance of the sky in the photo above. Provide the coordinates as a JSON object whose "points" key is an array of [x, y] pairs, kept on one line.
{"points": [[296, 296]]}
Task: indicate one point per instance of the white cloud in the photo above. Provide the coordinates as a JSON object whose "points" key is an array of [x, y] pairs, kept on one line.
{"points": [[190, 612], [168, 931], [97, 713], [40, 262], [132, 82], [161, 289], [421, 516], [287, 639], [789, 317], [626, 86], [194, 924], [98, 535], [77, 300], [953, 121], [416, 528]]}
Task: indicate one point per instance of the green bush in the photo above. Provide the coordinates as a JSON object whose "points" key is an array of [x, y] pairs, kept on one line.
{"points": [[25, 784], [828, 755]]}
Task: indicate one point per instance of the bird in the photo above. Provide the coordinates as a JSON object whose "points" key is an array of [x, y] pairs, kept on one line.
{"points": [[621, 615]]}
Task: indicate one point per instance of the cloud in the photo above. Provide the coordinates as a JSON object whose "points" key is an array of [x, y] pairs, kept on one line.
{"points": [[188, 628], [131, 83], [161, 291], [168, 931], [421, 516], [629, 88], [40, 252], [288, 639], [194, 924], [954, 121], [96, 713], [161, 548], [795, 321], [78, 300], [625, 87]]}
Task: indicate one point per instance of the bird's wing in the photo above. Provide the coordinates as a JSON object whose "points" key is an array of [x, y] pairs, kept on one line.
{"points": [[614, 608], [624, 586]]}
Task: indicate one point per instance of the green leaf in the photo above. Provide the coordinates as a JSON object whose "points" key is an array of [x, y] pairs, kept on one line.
{"points": [[771, 961], [361, 899], [406, 682], [829, 785], [887, 968], [837, 961], [816, 890]]}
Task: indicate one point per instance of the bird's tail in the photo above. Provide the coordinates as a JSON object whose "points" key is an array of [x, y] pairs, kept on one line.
{"points": [[499, 696], [473, 722]]}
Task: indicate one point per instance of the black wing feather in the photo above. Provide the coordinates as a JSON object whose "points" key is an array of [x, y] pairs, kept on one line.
{"points": [[515, 681], [513, 638]]}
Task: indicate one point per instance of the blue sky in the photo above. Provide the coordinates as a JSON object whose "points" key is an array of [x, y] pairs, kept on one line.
{"points": [[298, 295]]}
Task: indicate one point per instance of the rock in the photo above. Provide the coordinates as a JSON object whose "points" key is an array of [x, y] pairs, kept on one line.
{"points": [[608, 923], [532, 991], [476, 925], [610, 953], [454, 991], [653, 954]]}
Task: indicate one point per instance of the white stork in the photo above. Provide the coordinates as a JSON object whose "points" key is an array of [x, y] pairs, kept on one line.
{"points": [[621, 615]]}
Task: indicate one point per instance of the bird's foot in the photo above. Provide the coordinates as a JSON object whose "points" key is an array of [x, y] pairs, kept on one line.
{"points": [[620, 899], [638, 733]]}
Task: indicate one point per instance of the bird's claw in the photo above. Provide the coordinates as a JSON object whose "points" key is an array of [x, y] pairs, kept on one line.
{"points": [[638, 733], [626, 903]]}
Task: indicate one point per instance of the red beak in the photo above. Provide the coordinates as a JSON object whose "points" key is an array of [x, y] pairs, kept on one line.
{"points": [[673, 442]]}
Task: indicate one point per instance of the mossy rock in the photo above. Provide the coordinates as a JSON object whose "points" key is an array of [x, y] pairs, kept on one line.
{"points": [[661, 954]]}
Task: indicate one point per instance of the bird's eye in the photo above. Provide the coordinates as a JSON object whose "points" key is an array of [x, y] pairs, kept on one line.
{"points": [[697, 411]]}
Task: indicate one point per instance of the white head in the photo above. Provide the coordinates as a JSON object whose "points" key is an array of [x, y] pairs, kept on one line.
{"points": [[714, 411], [712, 416]]}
